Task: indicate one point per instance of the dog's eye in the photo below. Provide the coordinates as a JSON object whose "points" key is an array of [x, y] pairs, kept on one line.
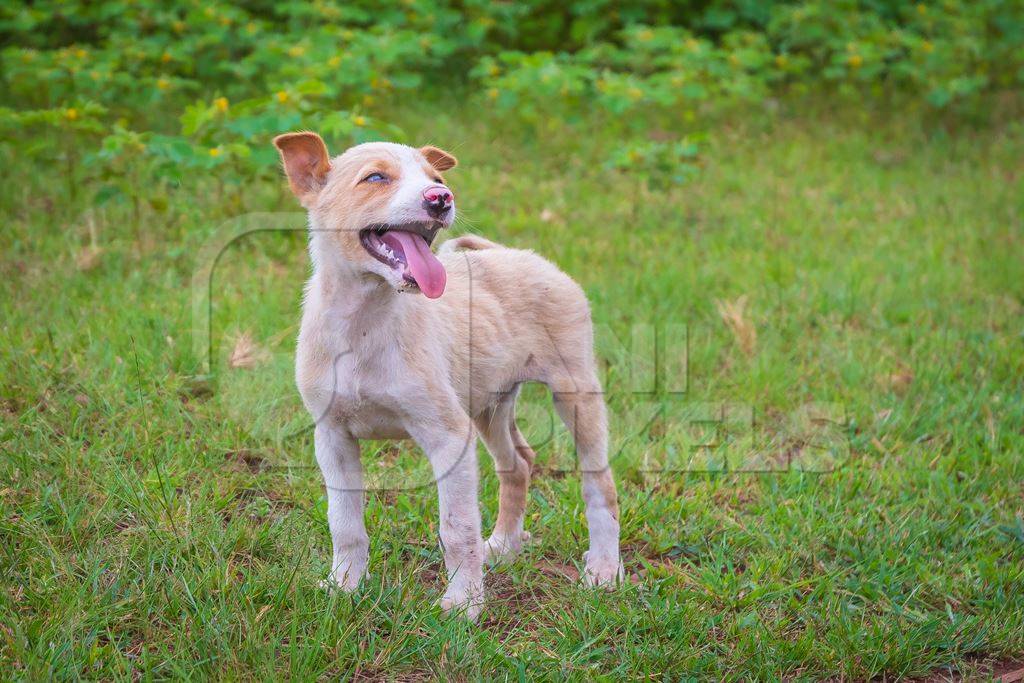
{"points": [[375, 177], [437, 179]]}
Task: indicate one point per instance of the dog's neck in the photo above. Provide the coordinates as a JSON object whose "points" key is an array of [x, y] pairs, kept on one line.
{"points": [[353, 301]]}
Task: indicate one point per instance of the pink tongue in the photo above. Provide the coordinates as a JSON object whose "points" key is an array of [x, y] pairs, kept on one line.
{"points": [[425, 267]]}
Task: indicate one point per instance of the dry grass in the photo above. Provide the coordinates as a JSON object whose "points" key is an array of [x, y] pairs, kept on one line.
{"points": [[246, 353], [734, 315]]}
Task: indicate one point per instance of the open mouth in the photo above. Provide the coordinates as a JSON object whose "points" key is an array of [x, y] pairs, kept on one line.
{"points": [[406, 249]]}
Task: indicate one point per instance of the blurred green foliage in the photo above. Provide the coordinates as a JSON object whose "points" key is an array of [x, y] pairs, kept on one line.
{"points": [[133, 90]]}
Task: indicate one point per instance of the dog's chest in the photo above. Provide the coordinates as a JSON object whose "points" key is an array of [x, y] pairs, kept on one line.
{"points": [[365, 389]]}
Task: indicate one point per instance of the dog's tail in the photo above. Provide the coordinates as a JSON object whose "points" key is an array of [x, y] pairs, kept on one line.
{"points": [[472, 242]]}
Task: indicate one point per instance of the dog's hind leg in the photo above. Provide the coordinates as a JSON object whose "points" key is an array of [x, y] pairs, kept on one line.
{"points": [[580, 403], [513, 461]]}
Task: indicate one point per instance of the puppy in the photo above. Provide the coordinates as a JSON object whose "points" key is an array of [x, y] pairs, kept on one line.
{"points": [[397, 343]]}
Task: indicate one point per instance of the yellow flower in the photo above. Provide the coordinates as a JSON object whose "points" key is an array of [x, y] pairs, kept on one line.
{"points": [[492, 93], [296, 51], [359, 121], [80, 53], [493, 70], [645, 35], [71, 114], [163, 83], [334, 61], [855, 61], [221, 103], [178, 26], [922, 8], [635, 93], [281, 96], [251, 27], [215, 151], [781, 60], [734, 60], [165, 57], [225, 21], [927, 46]]}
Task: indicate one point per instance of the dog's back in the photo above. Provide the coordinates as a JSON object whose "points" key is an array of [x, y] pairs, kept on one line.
{"points": [[511, 316]]}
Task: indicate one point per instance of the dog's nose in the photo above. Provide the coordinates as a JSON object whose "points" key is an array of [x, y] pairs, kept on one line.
{"points": [[437, 200]]}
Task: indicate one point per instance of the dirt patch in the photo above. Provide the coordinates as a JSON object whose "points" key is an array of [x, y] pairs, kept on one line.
{"points": [[510, 606], [249, 460], [999, 670], [371, 673], [548, 472], [1009, 671], [125, 523], [385, 497], [430, 574], [557, 570]]}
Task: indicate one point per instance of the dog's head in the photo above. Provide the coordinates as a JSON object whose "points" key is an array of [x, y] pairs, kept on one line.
{"points": [[378, 206]]}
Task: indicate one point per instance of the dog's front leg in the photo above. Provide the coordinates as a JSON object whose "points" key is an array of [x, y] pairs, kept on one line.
{"points": [[337, 453], [452, 455]]}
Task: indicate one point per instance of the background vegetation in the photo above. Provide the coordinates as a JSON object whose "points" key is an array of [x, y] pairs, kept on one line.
{"points": [[828, 195]]}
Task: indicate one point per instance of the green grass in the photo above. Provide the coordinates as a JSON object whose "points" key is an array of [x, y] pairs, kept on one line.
{"points": [[163, 524]]}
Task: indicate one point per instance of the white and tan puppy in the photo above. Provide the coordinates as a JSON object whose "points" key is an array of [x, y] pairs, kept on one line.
{"points": [[399, 343]]}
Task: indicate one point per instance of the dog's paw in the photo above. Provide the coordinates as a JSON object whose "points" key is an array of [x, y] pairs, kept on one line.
{"points": [[602, 572], [344, 582], [464, 603], [501, 548]]}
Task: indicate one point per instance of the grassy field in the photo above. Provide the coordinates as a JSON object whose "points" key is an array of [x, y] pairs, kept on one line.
{"points": [[165, 519]]}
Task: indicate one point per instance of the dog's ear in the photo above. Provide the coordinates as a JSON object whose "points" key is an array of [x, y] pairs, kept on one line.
{"points": [[306, 163], [438, 158]]}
